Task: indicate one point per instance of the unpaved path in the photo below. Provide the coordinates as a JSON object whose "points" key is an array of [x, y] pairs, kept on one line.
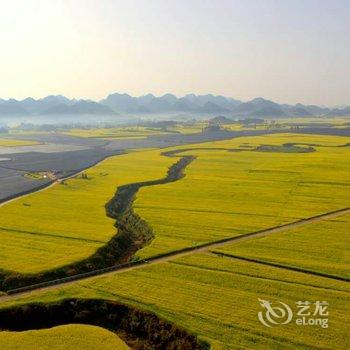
{"points": [[13, 294]]}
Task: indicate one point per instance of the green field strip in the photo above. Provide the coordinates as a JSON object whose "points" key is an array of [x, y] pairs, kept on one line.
{"points": [[224, 271], [15, 245], [8, 142], [206, 211], [6, 229], [292, 268], [321, 247], [63, 337]]}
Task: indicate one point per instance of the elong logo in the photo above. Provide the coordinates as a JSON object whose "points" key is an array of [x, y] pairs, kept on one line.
{"points": [[274, 314], [280, 313]]}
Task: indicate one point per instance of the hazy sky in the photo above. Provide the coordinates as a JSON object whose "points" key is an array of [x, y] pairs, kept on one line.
{"points": [[285, 50]]}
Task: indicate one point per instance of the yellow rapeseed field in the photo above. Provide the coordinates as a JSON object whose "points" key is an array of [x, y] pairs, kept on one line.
{"points": [[68, 337], [67, 222], [320, 247], [223, 194], [218, 299], [229, 193], [13, 143]]}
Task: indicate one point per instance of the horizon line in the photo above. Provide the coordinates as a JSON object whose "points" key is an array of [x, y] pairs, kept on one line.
{"points": [[169, 93]]}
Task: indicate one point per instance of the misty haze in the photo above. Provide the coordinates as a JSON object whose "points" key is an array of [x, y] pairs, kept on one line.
{"points": [[174, 175]]}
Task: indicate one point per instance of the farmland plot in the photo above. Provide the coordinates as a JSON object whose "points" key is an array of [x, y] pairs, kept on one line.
{"points": [[68, 337], [68, 221], [218, 299], [231, 193], [4, 142], [225, 194], [321, 247]]}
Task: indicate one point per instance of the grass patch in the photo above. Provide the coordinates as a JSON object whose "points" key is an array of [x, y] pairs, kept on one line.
{"points": [[14, 143], [67, 337], [286, 148], [136, 132]]}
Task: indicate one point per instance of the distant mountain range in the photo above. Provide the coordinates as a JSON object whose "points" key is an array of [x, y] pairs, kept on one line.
{"points": [[53, 105], [116, 103], [168, 103]]}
